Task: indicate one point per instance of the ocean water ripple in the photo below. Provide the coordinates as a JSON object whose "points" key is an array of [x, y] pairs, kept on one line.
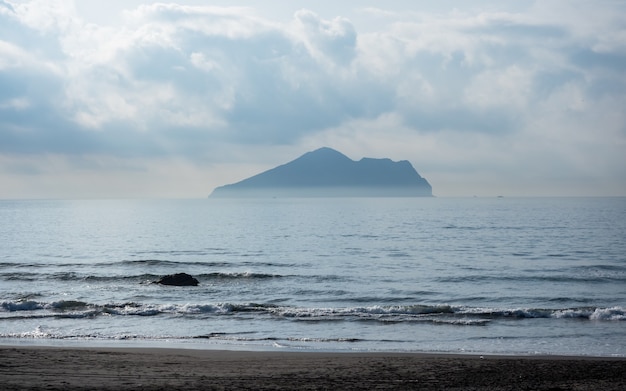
{"points": [[507, 276]]}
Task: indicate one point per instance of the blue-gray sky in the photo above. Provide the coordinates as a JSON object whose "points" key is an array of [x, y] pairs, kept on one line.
{"points": [[133, 98]]}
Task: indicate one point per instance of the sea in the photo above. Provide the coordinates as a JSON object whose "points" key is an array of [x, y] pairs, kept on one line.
{"points": [[501, 275]]}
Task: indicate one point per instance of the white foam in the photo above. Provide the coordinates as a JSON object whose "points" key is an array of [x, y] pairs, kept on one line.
{"points": [[11, 306], [613, 313]]}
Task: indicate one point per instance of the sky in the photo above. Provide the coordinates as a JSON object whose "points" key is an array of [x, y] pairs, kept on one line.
{"points": [[133, 99]]}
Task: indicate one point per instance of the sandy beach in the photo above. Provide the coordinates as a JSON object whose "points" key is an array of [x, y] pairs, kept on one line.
{"points": [[52, 368]]}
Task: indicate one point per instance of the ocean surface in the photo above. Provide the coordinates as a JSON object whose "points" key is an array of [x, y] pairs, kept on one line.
{"points": [[459, 275]]}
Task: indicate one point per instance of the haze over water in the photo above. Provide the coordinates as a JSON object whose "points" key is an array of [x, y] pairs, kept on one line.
{"points": [[483, 275]]}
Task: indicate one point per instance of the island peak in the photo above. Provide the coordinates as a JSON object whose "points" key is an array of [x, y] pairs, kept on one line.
{"points": [[326, 172]]}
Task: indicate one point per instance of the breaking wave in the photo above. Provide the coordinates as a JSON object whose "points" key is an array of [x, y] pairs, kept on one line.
{"points": [[436, 314]]}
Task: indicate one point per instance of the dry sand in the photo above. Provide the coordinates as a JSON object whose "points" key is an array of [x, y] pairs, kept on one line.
{"points": [[46, 368]]}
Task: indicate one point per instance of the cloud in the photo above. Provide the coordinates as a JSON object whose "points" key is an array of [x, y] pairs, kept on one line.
{"points": [[540, 87], [327, 41]]}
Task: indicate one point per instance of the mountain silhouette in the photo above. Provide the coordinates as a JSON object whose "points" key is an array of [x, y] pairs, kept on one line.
{"points": [[326, 172]]}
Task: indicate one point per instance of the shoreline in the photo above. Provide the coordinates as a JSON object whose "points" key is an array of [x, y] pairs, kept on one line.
{"points": [[126, 368], [196, 350]]}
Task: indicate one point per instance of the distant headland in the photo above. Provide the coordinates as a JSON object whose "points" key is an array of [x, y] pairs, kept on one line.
{"points": [[326, 172]]}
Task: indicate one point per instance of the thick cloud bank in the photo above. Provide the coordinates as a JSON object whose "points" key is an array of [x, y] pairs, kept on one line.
{"points": [[526, 101]]}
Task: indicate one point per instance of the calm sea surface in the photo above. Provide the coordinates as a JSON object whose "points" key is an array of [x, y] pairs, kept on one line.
{"points": [[474, 275]]}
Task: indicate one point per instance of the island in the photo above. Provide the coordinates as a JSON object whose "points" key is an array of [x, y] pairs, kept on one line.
{"points": [[326, 172]]}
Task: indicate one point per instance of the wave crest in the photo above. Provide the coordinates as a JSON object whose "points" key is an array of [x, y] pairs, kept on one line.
{"points": [[438, 314]]}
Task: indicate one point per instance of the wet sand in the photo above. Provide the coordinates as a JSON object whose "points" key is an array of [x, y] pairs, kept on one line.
{"points": [[51, 368]]}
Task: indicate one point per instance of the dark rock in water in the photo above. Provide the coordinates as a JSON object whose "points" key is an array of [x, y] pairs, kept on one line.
{"points": [[178, 279]]}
